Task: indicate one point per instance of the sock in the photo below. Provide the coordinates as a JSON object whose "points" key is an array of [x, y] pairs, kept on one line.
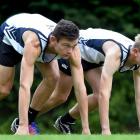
{"points": [[67, 118], [32, 115]]}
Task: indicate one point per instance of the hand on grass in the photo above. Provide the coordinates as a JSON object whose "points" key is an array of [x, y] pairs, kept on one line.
{"points": [[86, 132], [22, 130], [106, 132]]}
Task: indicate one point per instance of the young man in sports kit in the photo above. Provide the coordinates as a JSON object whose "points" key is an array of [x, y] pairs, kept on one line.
{"points": [[103, 53], [36, 40], [120, 54]]}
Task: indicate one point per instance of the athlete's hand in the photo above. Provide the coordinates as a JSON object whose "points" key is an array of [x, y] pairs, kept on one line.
{"points": [[86, 131], [106, 132], [22, 130]]}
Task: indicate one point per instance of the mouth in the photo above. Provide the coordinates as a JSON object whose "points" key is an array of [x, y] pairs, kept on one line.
{"points": [[65, 56]]}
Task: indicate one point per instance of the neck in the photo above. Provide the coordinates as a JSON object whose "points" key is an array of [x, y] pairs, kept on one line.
{"points": [[130, 61], [50, 46], [50, 49]]}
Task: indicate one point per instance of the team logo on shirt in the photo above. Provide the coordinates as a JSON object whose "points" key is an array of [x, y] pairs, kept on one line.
{"points": [[64, 66], [82, 40], [10, 31]]}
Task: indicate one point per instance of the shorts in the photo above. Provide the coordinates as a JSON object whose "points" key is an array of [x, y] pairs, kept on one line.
{"points": [[64, 66], [8, 56]]}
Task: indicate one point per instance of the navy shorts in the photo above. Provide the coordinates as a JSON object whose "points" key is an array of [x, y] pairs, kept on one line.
{"points": [[64, 66], [8, 56]]}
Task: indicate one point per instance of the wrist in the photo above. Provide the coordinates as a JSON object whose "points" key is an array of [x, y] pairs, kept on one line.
{"points": [[106, 132], [23, 124], [86, 131], [85, 127]]}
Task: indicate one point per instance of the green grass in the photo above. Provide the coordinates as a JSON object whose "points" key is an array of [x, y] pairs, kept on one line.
{"points": [[70, 137]]}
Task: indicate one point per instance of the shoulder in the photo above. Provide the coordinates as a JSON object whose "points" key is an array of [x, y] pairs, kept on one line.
{"points": [[111, 47], [30, 37]]}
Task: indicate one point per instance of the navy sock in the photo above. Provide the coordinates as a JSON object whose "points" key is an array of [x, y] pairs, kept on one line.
{"points": [[67, 118], [32, 115]]}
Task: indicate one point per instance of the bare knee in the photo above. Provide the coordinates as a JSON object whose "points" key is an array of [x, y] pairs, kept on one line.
{"points": [[53, 78], [58, 99], [95, 95], [50, 81], [62, 99], [4, 91]]}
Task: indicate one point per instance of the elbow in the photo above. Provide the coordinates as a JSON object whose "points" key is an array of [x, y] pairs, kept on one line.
{"points": [[81, 91], [24, 88]]}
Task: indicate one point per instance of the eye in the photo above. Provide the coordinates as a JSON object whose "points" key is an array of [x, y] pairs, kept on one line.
{"points": [[67, 46]]}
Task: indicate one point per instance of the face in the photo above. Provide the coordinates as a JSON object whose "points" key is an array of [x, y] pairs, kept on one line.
{"points": [[65, 47]]}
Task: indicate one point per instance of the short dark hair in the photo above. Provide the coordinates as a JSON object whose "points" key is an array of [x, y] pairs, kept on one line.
{"points": [[66, 29]]}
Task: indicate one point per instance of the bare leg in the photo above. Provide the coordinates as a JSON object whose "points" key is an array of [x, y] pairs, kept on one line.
{"points": [[60, 94], [6, 80], [93, 78], [50, 73]]}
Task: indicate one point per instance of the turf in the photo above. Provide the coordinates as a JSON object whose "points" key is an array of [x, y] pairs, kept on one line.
{"points": [[70, 137]]}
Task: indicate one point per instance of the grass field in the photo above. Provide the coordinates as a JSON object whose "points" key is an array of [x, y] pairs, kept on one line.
{"points": [[70, 137]]}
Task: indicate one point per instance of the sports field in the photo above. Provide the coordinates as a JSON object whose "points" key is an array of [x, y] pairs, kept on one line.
{"points": [[70, 137]]}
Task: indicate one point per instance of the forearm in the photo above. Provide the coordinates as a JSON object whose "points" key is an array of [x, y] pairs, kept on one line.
{"points": [[104, 111], [136, 77], [24, 100], [83, 108], [103, 99], [137, 100]]}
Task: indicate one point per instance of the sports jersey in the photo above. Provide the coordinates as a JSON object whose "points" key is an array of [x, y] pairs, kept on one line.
{"points": [[14, 27], [91, 43]]}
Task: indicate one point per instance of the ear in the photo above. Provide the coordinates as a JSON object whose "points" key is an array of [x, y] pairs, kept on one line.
{"points": [[135, 51], [53, 38]]}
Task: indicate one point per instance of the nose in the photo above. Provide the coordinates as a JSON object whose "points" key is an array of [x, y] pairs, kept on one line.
{"points": [[70, 51]]}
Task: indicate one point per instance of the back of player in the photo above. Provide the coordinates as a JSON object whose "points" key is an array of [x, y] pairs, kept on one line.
{"points": [[14, 27], [91, 42]]}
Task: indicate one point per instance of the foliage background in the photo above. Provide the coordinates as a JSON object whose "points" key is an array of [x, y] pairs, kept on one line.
{"points": [[121, 16]]}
